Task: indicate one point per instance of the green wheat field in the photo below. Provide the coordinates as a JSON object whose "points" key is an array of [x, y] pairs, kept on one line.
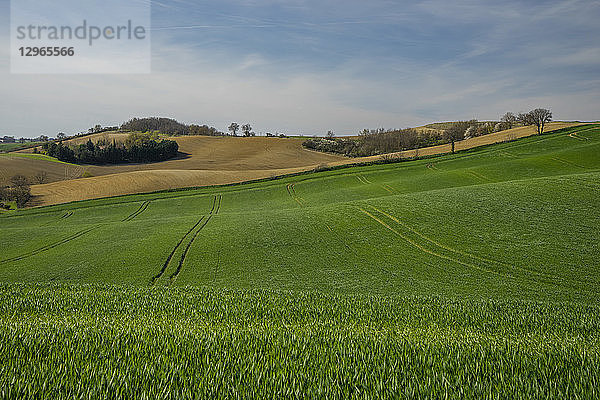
{"points": [[473, 275]]}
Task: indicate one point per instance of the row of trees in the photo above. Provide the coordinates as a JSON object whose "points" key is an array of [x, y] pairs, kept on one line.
{"points": [[381, 141], [138, 148], [18, 191], [538, 117], [466, 129], [168, 126], [375, 141]]}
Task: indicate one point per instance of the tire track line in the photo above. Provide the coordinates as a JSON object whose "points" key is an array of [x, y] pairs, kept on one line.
{"points": [[479, 176], [574, 136], [213, 211], [292, 192], [216, 205], [50, 246], [170, 256], [572, 164], [67, 215], [388, 188], [428, 251], [459, 252], [140, 210]]}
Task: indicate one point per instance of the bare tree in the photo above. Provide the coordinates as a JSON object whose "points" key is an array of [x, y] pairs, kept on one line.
{"points": [[509, 120], [247, 129], [456, 132], [330, 135], [233, 128], [539, 117]]}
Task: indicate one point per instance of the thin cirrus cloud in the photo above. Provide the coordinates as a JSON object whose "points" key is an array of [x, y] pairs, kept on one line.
{"points": [[304, 66]]}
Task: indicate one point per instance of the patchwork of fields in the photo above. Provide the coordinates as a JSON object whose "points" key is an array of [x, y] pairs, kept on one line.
{"points": [[204, 161], [474, 273]]}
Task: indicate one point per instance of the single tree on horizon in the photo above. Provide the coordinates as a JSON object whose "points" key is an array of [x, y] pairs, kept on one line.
{"points": [[247, 129], [233, 128]]}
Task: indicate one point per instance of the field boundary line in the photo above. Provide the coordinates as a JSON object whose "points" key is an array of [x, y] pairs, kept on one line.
{"points": [[49, 246]]}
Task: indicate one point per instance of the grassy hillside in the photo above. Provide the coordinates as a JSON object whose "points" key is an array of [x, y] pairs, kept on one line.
{"points": [[17, 146], [476, 272], [206, 161]]}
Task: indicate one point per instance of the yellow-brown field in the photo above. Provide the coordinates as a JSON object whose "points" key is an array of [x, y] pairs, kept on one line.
{"points": [[205, 161]]}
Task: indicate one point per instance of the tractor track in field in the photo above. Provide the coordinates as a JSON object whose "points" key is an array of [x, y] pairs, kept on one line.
{"points": [[426, 250], [50, 246], [432, 167], [574, 136], [363, 179], [214, 211], [546, 278], [569, 163], [291, 189], [67, 215], [479, 176], [140, 210], [215, 203], [388, 188]]}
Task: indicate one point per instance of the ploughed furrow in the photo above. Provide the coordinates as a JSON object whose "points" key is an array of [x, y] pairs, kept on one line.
{"points": [[140, 210], [214, 211], [49, 246]]}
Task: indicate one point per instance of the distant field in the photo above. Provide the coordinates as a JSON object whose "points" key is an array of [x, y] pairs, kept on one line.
{"points": [[213, 160], [475, 273], [17, 146], [217, 161]]}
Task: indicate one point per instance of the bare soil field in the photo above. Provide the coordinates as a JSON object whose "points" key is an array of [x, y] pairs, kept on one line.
{"points": [[208, 161], [141, 182]]}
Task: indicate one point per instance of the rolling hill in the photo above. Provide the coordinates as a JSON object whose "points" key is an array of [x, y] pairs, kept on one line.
{"points": [[475, 273], [205, 161]]}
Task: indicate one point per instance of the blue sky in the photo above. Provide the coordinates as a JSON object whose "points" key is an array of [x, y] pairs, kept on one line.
{"points": [[305, 67]]}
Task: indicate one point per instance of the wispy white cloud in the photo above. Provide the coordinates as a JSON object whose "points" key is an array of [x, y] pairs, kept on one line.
{"points": [[346, 65]]}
